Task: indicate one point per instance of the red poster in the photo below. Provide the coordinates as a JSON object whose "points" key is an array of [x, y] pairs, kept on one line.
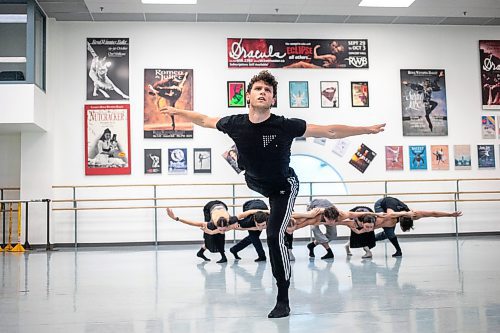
{"points": [[107, 139]]}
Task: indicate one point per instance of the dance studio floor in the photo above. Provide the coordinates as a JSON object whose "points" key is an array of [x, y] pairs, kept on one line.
{"points": [[440, 285]]}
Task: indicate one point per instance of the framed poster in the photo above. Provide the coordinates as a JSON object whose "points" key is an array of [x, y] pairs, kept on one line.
{"points": [[177, 161], [462, 157], [329, 94], [418, 157], [231, 157], [107, 69], [486, 156], [107, 139], [394, 158], [362, 158], [163, 88], [359, 94], [488, 127], [489, 57], [299, 94], [440, 159], [236, 94], [423, 102], [152, 161], [296, 53], [202, 160]]}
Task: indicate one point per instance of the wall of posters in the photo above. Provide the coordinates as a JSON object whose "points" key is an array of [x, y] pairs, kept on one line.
{"points": [[299, 94], [418, 157], [394, 158], [152, 161], [236, 94], [488, 127], [162, 88], [107, 139], [359, 94], [462, 157], [177, 161], [489, 57], [362, 158], [107, 69], [297, 53], [440, 159], [486, 156], [329, 94], [423, 102], [202, 160]]}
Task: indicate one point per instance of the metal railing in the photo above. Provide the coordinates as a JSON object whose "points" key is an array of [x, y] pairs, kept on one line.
{"points": [[454, 191]]}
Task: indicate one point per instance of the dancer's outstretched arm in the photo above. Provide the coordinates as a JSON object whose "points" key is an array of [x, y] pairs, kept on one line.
{"points": [[195, 117], [335, 131]]}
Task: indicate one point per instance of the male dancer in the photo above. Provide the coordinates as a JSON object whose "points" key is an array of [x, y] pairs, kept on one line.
{"points": [[262, 136], [320, 237]]}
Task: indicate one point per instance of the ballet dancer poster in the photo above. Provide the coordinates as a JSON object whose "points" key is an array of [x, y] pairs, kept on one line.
{"points": [[394, 158], [297, 53], [462, 157], [362, 158], [423, 102], [489, 57], [418, 157], [486, 156], [107, 69], [440, 159], [299, 94], [162, 88], [202, 160], [152, 161], [231, 157], [359, 94], [107, 139]]}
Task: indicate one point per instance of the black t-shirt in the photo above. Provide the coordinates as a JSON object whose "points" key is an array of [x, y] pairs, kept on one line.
{"points": [[394, 204], [263, 148]]}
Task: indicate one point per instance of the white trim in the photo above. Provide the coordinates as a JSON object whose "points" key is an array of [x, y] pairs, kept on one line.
{"points": [[12, 59]]}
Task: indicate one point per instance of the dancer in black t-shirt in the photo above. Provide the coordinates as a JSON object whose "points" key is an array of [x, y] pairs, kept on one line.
{"points": [[262, 136]]}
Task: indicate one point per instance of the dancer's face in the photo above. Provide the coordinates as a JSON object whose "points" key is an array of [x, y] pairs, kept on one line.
{"points": [[261, 95]]}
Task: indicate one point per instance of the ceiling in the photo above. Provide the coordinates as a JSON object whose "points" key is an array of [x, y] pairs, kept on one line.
{"points": [[432, 12]]}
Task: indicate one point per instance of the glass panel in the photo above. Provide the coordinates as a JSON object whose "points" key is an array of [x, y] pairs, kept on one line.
{"points": [[39, 49], [13, 42]]}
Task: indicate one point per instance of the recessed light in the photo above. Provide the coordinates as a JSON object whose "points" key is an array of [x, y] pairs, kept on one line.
{"points": [[386, 3]]}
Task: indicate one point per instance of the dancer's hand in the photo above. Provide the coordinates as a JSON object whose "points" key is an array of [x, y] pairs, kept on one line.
{"points": [[456, 214], [171, 214], [374, 129]]}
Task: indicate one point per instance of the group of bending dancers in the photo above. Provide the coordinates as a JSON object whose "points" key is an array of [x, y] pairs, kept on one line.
{"points": [[361, 220]]}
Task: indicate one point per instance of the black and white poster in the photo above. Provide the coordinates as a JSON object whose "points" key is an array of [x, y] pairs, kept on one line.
{"points": [[107, 69], [202, 160], [423, 100], [152, 161]]}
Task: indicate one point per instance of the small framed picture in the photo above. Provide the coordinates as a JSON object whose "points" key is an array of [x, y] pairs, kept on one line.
{"points": [[299, 94], [359, 94], [152, 161], [202, 160], [329, 94], [236, 94]]}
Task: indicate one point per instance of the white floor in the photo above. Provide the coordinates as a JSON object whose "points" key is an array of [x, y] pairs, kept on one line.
{"points": [[440, 285]]}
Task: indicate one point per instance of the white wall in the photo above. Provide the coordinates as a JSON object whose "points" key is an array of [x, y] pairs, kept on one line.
{"points": [[203, 48], [10, 161]]}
